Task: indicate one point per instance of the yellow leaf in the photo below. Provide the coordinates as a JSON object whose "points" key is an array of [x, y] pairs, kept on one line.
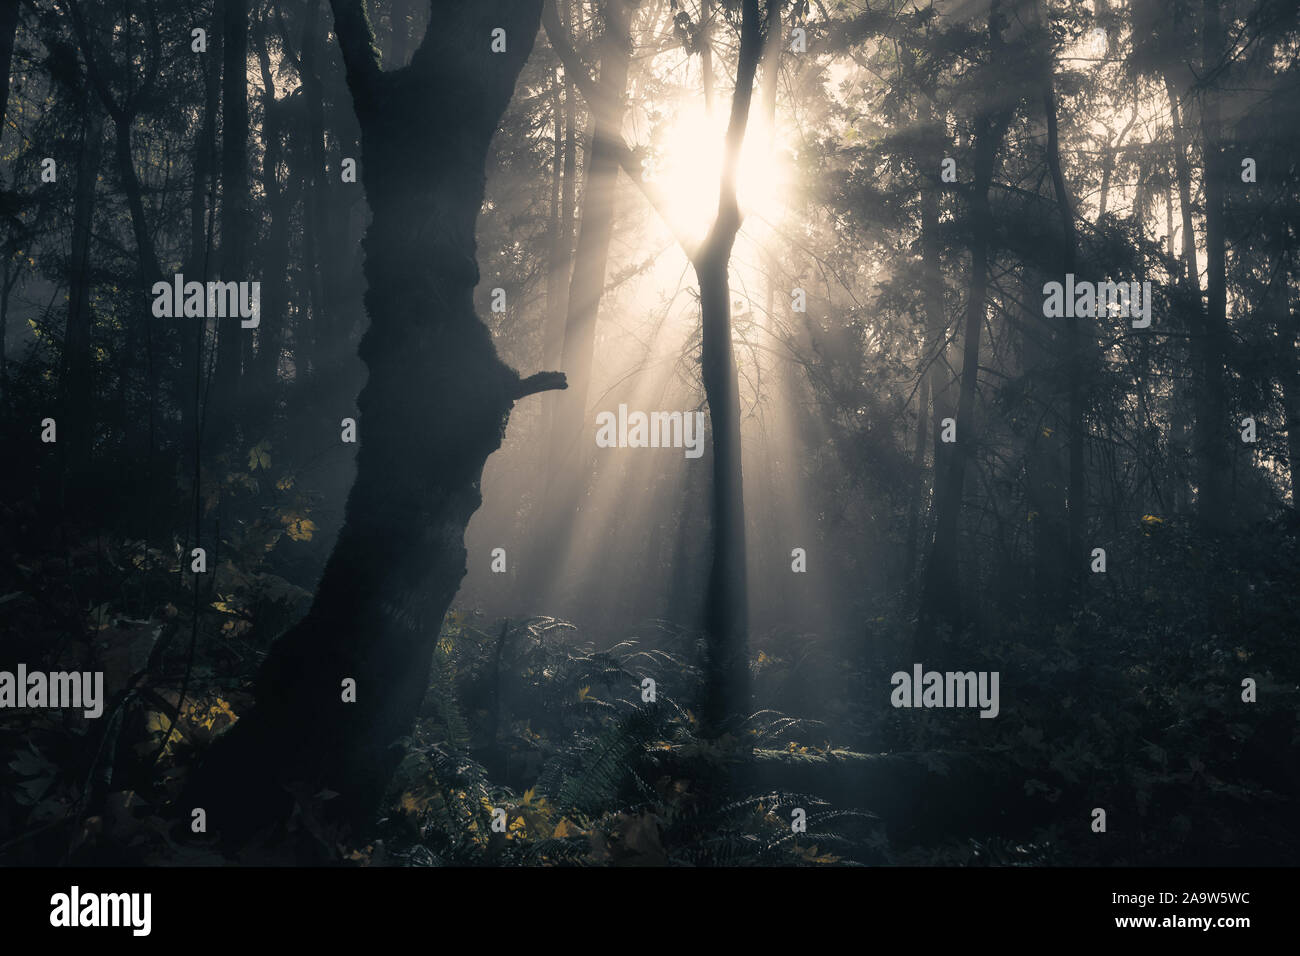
{"points": [[583, 692], [565, 829], [301, 529], [285, 483], [414, 803], [259, 456]]}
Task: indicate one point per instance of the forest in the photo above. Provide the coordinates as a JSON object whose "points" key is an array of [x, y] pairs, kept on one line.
{"points": [[782, 433]]}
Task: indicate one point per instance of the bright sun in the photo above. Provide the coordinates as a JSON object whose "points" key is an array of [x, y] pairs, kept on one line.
{"points": [[689, 163]]}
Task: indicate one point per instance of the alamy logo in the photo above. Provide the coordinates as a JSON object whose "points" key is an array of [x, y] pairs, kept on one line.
{"points": [[215, 300], [57, 689], [655, 430], [1095, 299], [949, 689], [75, 908]]}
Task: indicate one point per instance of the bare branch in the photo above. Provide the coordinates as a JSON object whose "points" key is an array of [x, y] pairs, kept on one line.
{"points": [[540, 382]]}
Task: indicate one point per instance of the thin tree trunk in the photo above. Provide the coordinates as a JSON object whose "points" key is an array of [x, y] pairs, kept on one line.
{"points": [[1183, 175], [705, 39], [772, 50], [8, 31], [78, 367], [726, 613], [563, 198], [311, 155], [235, 219], [566, 471], [1072, 560], [196, 265], [1278, 303], [1214, 505], [1187, 396], [940, 594], [936, 318], [276, 255], [917, 491], [562, 203]]}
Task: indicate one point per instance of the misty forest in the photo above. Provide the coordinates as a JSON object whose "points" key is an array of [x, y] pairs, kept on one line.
{"points": [[650, 432]]}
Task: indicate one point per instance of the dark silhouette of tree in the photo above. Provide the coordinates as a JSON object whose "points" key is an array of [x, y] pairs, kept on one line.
{"points": [[433, 410]]}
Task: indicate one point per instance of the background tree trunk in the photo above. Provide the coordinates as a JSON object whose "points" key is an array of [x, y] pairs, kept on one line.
{"points": [[78, 364], [276, 256], [567, 470], [940, 592], [8, 31], [1214, 505], [234, 205], [1071, 560]]}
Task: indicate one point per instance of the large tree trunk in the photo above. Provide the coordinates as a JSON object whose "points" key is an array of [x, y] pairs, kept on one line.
{"points": [[726, 610], [433, 410], [403, 30]]}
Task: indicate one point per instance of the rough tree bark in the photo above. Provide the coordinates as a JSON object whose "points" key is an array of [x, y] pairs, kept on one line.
{"points": [[434, 408]]}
